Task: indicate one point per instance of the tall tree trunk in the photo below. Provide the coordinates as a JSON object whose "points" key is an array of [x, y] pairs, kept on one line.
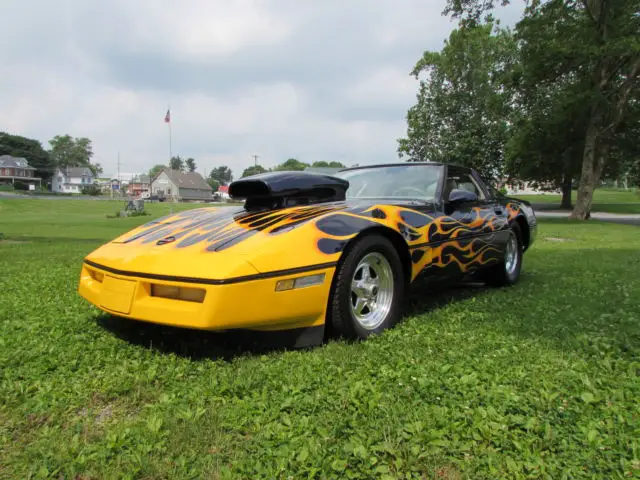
{"points": [[566, 192], [588, 180]]}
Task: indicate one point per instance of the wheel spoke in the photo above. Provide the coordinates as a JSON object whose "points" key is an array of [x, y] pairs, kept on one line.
{"points": [[366, 274], [360, 304]]}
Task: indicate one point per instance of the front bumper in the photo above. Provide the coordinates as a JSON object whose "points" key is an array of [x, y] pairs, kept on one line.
{"points": [[251, 304]]}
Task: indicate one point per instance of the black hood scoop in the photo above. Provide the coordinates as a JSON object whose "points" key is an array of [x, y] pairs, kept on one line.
{"points": [[274, 190]]}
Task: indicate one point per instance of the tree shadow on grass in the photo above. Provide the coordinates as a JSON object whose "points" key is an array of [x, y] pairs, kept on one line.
{"points": [[197, 344]]}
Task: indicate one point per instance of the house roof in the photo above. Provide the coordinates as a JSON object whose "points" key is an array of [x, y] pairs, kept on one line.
{"points": [[19, 162], [187, 179], [76, 171]]}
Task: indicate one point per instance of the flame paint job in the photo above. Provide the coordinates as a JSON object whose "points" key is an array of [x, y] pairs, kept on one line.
{"points": [[235, 254], [464, 240]]}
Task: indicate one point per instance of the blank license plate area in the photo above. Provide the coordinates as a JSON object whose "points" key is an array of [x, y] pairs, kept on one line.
{"points": [[117, 294]]}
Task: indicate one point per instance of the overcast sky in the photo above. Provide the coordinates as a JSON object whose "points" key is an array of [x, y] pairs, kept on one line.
{"points": [[314, 80]]}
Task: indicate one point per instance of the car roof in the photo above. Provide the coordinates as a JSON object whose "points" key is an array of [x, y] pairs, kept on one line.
{"points": [[395, 164]]}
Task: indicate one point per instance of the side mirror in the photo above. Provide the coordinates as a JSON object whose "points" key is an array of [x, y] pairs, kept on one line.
{"points": [[461, 196]]}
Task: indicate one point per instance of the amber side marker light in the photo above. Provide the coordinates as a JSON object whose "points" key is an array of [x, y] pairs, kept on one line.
{"points": [[300, 282], [178, 293]]}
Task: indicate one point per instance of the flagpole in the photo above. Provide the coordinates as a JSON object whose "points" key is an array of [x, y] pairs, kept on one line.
{"points": [[170, 146]]}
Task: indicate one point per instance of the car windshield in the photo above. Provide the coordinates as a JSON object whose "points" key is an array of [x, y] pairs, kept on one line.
{"points": [[417, 182]]}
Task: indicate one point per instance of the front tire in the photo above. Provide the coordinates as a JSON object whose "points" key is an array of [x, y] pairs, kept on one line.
{"points": [[367, 290], [507, 272]]}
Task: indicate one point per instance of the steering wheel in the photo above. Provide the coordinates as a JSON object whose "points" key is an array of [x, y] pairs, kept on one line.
{"points": [[417, 191]]}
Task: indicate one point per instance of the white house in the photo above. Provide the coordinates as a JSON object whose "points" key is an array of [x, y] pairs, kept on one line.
{"points": [[71, 179]]}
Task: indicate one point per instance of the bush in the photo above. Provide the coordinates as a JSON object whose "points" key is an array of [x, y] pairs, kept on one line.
{"points": [[91, 190]]}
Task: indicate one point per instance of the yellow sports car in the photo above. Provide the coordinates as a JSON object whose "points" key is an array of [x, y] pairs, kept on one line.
{"points": [[308, 250]]}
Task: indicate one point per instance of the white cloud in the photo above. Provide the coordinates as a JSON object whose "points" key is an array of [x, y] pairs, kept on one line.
{"points": [[280, 78], [200, 29]]}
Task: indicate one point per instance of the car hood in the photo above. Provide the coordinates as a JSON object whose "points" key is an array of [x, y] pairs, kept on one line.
{"points": [[217, 242]]}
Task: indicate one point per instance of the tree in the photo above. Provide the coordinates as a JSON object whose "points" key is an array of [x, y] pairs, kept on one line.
{"points": [[97, 169], [593, 43], [222, 175], [176, 163], [155, 170], [68, 152], [547, 121], [213, 183], [31, 150], [462, 107], [324, 164], [190, 164], [253, 170], [291, 164]]}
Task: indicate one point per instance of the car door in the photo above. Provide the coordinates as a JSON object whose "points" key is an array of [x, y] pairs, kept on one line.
{"points": [[472, 223]]}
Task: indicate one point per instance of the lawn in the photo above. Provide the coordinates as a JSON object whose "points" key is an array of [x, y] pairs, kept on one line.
{"points": [[536, 381], [604, 200]]}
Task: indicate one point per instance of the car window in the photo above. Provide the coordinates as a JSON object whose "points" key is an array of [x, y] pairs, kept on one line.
{"points": [[457, 180], [404, 181]]}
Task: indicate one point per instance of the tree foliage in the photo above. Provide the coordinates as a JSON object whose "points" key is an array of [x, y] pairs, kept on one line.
{"points": [[582, 57], [31, 150], [67, 152], [291, 164], [253, 170], [222, 175], [463, 105], [324, 164], [190, 164], [177, 163], [155, 170]]}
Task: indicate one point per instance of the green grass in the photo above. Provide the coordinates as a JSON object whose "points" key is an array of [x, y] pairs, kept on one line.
{"points": [[536, 381], [604, 200], [75, 219]]}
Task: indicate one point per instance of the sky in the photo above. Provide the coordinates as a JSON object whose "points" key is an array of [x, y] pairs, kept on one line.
{"points": [[276, 78]]}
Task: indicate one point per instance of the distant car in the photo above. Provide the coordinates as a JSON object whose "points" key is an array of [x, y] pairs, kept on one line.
{"points": [[308, 250]]}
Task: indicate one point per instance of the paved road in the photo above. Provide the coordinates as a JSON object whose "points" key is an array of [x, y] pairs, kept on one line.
{"points": [[55, 197], [626, 219]]}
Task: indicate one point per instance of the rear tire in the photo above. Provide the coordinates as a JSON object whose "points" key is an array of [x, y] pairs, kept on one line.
{"points": [[507, 272], [367, 289]]}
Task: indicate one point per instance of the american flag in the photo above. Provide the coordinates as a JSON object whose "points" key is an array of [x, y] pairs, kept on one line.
{"points": [[167, 117]]}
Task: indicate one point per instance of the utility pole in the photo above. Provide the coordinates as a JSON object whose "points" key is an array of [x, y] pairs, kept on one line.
{"points": [[255, 159], [119, 182]]}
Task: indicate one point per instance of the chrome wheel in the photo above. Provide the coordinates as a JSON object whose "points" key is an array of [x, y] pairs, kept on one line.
{"points": [[372, 290], [511, 254]]}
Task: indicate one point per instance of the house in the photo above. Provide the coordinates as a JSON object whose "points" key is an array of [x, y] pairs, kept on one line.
{"points": [[519, 187], [71, 179], [223, 192], [139, 185], [177, 185], [14, 169]]}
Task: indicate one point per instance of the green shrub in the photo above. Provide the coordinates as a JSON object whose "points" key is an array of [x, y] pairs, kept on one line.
{"points": [[91, 190]]}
